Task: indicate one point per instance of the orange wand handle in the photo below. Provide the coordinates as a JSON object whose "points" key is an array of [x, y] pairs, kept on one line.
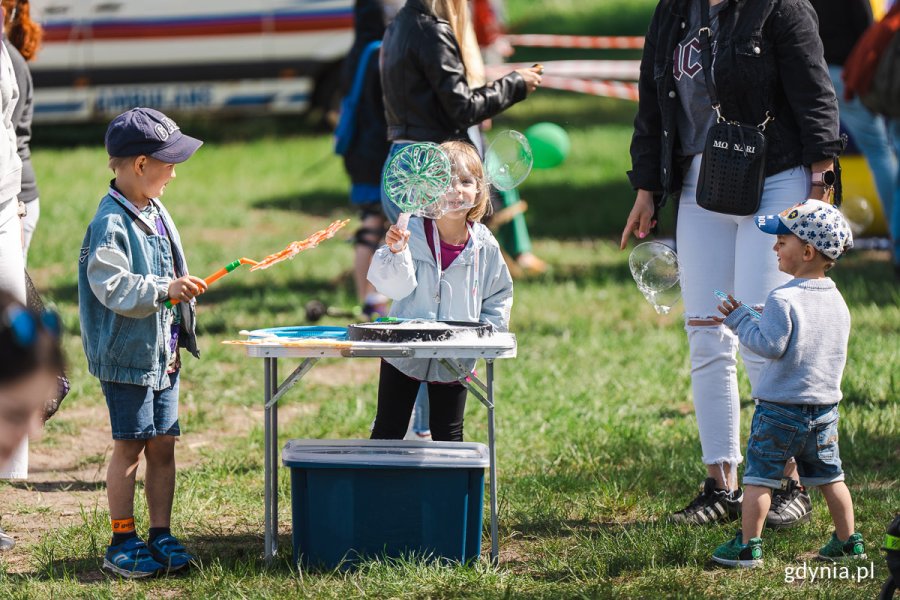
{"points": [[219, 275]]}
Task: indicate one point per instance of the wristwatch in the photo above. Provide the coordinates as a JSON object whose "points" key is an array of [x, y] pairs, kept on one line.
{"points": [[825, 179]]}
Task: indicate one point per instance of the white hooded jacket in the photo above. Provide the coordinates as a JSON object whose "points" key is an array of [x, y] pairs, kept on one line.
{"points": [[410, 279]]}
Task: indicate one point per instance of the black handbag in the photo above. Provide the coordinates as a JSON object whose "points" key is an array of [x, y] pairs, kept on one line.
{"points": [[733, 168]]}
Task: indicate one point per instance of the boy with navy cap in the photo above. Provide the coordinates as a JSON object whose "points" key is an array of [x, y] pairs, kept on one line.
{"points": [[131, 264], [803, 334]]}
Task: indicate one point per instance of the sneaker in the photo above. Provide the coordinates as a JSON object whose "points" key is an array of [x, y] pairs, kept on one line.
{"points": [[7, 542], [131, 559], [711, 505], [169, 552], [790, 506], [734, 553], [836, 550]]}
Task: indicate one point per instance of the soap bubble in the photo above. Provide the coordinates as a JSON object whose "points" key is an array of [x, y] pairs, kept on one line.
{"points": [[508, 160], [655, 269]]}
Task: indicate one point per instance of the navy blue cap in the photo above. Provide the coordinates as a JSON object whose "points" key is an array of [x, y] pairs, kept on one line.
{"points": [[145, 131]]}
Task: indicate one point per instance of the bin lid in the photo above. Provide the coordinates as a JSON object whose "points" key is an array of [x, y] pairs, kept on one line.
{"points": [[384, 453]]}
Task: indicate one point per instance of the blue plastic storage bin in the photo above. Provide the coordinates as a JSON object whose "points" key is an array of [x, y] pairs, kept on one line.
{"points": [[375, 498]]}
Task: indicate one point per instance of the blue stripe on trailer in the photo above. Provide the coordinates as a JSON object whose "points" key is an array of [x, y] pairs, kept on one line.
{"points": [[205, 20], [57, 107], [250, 100]]}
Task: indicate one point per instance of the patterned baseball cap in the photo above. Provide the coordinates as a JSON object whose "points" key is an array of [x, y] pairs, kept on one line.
{"points": [[815, 222], [149, 132]]}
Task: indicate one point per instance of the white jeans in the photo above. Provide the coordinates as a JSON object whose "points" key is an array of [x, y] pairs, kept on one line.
{"points": [[728, 253], [29, 223], [12, 279]]}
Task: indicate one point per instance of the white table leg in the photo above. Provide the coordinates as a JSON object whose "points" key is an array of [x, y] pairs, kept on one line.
{"points": [[495, 542], [271, 460]]}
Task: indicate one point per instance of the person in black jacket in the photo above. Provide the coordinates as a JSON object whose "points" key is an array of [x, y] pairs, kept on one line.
{"points": [[767, 62], [428, 95], [430, 76]]}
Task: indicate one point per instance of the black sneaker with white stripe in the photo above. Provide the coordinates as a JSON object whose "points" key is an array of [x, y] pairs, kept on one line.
{"points": [[790, 506], [711, 505]]}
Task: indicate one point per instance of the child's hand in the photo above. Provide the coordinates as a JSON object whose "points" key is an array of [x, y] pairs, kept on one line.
{"points": [[727, 307], [185, 288], [396, 237]]}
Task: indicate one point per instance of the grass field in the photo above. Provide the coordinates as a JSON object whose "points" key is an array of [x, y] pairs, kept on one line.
{"points": [[597, 439]]}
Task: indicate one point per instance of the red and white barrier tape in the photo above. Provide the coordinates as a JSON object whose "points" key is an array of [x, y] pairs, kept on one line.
{"points": [[609, 89], [624, 70], [576, 41]]}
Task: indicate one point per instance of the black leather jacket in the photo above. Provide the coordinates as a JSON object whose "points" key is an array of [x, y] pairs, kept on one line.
{"points": [[426, 95], [770, 58]]}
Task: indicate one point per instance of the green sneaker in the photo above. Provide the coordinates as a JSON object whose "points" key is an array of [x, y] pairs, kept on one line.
{"points": [[836, 550], [733, 553]]}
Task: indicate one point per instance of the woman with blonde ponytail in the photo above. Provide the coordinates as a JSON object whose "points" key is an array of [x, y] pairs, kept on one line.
{"points": [[433, 78], [434, 86]]}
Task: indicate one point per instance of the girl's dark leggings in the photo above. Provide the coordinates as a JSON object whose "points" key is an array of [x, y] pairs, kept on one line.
{"points": [[396, 396]]}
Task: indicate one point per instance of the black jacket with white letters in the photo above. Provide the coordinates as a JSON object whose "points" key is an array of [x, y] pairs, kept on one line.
{"points": [[769, 58]]}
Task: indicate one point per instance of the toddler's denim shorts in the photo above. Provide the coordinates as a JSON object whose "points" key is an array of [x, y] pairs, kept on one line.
{"points": [[138, 412], [807, 432]]}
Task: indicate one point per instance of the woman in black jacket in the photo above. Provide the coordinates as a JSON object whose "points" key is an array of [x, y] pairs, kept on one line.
{"points": [[767, 62], [426, 75], [430, 75]]}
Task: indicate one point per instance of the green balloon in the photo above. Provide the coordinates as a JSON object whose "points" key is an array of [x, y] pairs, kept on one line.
{"points": [[549, 143]]}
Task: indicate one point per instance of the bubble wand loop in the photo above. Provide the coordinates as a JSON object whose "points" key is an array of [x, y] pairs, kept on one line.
{"points": [[416, 177], [754, 313], [219, 275]]}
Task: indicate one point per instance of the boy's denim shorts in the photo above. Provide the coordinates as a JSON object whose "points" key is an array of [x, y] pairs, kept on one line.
{"points": [[138, 412], [809, 433]]}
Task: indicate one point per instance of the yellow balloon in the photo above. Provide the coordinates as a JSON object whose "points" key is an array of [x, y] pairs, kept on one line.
{"points": [[858, 212], [859, 185]]}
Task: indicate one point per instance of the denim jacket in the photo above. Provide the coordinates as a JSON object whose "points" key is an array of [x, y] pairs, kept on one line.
{"points": [[769, 58], [410, 279], [124, 272]]}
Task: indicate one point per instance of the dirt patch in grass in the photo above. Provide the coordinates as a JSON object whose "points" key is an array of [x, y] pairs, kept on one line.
{"points": [[67, 470]]}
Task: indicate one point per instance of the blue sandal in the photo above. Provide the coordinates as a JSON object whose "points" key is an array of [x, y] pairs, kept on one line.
{"points": [[131, 559], [169, 552]]}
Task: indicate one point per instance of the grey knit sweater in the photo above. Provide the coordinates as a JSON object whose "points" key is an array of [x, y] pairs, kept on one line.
{"points": [[803, 333]]}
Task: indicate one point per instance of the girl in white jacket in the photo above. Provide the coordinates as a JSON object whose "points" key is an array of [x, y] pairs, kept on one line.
{"points": [[447, 269]]}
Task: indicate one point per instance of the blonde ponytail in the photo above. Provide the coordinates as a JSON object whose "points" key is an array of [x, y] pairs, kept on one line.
{"points": [[456, 12]]}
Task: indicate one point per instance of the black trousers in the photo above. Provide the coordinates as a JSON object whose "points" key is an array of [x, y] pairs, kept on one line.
{"points": [[396, 397]]}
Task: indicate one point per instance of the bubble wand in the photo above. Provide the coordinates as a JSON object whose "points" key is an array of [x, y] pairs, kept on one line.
{"points": [[415, 178], [219, 275], [724, 296], [292, 250]]}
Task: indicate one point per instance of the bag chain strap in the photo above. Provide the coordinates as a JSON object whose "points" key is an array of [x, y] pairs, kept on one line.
{"points": [[706, 57]]}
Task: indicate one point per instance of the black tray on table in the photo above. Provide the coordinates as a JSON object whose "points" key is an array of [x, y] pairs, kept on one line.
{"points": [[406, 331]]}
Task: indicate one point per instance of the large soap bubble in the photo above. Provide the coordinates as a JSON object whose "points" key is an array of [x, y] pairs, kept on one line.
{"points": [[656, 271], [508, 160]]}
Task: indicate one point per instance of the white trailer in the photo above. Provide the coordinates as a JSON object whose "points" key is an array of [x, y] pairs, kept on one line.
{"points": [[101, 57]]}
